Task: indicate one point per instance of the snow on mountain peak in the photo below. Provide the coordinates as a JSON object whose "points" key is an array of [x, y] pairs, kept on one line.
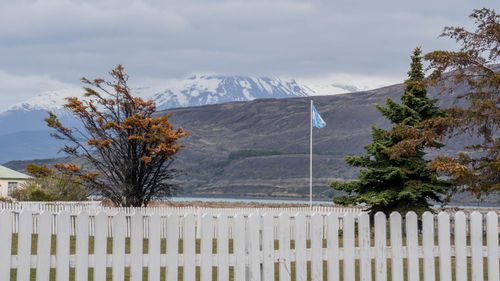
{"points": [[50, 100]]}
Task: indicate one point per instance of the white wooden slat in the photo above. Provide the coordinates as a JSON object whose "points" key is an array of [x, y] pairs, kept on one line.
{"points": [[428, 246], [492, 243], [396, 246], [460, 247], [380, 245], [300, 247], [118, 265], [317, 247], [172, 246], [284, 247], [206, 236], [254, 246], [222, 248], [154, 247], [24, 245], [62, 246], [239, 246], [136, 246], [365, 263], [43, 247], [82, 247], [6, 225], [100, 246], [332, 244], [412, 246], [476, 233], [348, 239], [189, 248], [444, 246], [268, 246]]}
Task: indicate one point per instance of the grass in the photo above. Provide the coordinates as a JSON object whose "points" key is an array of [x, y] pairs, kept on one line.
{"points": [[214, 269]]}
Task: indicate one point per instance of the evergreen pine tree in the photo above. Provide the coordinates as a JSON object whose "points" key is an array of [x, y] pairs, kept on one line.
{"points": [[403, 182]]}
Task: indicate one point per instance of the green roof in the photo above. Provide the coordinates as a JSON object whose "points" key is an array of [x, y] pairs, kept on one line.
{"points": [[6, 173]]}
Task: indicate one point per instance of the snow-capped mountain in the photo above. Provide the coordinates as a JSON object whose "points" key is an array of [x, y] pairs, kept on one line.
{"points": [[193, 91], [211, 89]]}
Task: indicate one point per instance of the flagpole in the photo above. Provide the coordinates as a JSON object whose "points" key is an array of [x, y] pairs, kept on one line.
{"points": [[310, 159]]}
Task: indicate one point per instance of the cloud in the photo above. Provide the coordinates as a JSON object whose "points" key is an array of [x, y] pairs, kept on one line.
{"points": [[160, 39], [18, 88]]}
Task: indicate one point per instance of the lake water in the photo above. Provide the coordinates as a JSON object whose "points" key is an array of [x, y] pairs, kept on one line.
{"points": [[289, 201], [248, 200]]}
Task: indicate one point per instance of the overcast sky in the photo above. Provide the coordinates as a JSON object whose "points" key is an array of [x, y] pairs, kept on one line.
{"points": [[51, 44]]}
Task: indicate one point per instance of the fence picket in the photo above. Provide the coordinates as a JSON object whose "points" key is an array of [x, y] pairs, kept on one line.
{"points": [[24, 245], [300, 247], [62, 246], [268, 246], [254, 246], [82, 247], [317, 247], [284, 247], [332, 224], [239, 247], [428, 246], [100, 246], [444, 246], [172, 246], [396, 246], [412, 246], [206, 247], [348, 239], [222, 248], [380, 245], [492, 242], [6, 224], [136, 246], [460, 247], [118, 266], [476, 240], [43, 250], [154, 247], [189, 244], [365, 264]]}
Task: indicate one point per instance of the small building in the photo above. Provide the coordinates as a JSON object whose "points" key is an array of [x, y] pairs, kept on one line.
{"points": [[10, 180]]}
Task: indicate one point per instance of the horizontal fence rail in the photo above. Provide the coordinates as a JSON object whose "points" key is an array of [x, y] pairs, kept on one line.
{"points": [[254, 246]]}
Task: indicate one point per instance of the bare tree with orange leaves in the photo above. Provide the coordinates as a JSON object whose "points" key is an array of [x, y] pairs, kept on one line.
{"points": [[130, 151]]}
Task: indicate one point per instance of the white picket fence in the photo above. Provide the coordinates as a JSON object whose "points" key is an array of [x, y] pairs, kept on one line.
{"points": [[253, 239]]}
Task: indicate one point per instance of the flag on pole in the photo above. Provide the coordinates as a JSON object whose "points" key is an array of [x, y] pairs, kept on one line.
{"points": [[317, 121]]}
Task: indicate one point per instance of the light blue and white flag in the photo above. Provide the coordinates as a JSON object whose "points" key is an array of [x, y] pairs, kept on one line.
{"points": [[317, 121]]}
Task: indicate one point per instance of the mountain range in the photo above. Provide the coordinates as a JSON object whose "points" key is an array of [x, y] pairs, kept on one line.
{"points": [[24, 134], [261, 147]]}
